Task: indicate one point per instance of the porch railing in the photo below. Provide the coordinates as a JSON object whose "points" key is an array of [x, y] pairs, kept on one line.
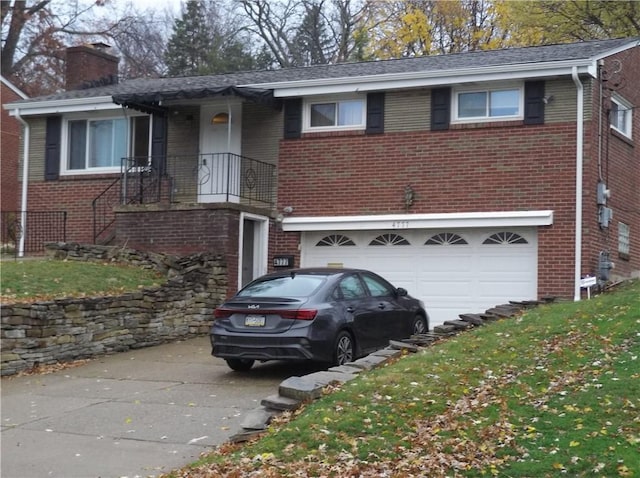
{"points": [[211, 177], [202, 178], [138, 183], [38, 227]]}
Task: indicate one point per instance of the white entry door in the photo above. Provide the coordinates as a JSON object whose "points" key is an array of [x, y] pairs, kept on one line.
{"points": [[220, 150]]}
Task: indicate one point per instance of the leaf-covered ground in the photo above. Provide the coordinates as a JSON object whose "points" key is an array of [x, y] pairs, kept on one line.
{"points": [[555, 392], [43, 279]]}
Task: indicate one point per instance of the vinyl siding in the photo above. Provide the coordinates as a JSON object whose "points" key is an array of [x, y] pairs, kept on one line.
{"points": [[37, 134], [261, 132], [407, 110]]}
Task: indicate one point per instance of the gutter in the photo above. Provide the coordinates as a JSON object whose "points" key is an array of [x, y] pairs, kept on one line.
{"points": [[25, 182], [579, 171], [427, 78]]}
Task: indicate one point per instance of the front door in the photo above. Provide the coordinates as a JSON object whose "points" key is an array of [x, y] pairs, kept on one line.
{"points": [[220, 150]]}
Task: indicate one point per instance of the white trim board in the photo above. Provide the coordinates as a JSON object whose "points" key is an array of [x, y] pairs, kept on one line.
{"points": [[419, 221]]}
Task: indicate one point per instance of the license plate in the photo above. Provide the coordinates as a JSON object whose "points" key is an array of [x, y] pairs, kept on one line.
{"points": [[254, 320]]}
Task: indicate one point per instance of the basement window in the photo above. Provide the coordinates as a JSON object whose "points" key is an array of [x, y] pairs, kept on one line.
{"points": [[624, 232], [620, 116]]}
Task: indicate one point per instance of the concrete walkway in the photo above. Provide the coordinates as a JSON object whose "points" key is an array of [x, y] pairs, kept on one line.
{"points": [[134, 414]]}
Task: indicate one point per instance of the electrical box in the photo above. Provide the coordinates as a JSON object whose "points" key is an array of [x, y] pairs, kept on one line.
{"points": [[605, 215], [604, 266], [602, 194]]}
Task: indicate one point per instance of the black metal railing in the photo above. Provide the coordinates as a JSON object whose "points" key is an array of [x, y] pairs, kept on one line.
{"points": [[203, 178], [223, 177], [138, 183], [103, 215], [141, 180], [38, 228], [210, 177]]}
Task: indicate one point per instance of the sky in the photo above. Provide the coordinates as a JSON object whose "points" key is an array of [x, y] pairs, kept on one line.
{"points": [[173, 5]]}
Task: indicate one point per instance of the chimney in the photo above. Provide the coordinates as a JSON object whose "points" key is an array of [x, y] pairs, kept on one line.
{"points": [[88, 65]]}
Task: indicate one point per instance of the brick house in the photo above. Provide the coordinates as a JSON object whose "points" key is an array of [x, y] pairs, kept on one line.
{"points": [[9, 190], [460, 177]]}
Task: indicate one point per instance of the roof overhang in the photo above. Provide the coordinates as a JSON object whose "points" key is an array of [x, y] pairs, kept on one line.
{"points": [[95, 103], [149, 102], [419, 221], [417, 79], [13, 87], [154, 99]]}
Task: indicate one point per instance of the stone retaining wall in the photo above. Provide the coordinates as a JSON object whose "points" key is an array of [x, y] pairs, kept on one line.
{"points": [[61, 330]]}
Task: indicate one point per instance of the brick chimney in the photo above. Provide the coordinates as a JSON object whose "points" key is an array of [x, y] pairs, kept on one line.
{"points": [[88, 64]]}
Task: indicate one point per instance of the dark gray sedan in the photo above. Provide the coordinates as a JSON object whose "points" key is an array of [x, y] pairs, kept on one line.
{"points": [[319, 314]]}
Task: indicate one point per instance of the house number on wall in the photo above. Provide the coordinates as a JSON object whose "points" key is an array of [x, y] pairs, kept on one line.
{"points": [[283, 261], [400, 225]]}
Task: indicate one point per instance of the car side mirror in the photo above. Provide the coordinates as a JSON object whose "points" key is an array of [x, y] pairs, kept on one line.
{"points": [[401, 292]]}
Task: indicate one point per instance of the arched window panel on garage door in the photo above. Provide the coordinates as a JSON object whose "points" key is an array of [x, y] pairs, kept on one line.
{"points": [[505, 237], [336, 240], [446, 239], [389, 239]]}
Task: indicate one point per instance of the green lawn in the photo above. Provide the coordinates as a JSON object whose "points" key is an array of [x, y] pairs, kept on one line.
{"points": [[555, 392], [26, 280]]}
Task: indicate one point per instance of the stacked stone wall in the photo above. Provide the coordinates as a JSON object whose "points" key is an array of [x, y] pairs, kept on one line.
{"points": [[67, 329]]}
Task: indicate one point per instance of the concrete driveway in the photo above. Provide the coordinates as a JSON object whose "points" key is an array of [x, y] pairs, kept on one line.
{"points": [[133, 414]]}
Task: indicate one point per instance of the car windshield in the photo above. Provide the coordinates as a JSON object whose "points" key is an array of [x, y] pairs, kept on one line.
{"points": [[289, 286]]}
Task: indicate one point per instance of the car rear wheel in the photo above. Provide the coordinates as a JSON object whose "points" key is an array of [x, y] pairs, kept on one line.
{"points": [[240, 365], [419, 325], [344, 349]]}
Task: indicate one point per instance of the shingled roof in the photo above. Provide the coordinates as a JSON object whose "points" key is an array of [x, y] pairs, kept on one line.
{"points": [[260, 82]]}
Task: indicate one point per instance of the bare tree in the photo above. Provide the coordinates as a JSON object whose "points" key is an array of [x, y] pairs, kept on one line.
{"points": [[34, 35], [304, 32], [140, 39]]}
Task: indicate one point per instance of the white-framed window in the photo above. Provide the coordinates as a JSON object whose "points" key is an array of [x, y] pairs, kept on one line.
{"points": [[621, 115], [488, 104], [335, 113], [624, 232], [98, 143]]}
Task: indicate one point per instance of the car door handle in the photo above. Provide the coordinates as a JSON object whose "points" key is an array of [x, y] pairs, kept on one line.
{"points": [[350, 310], [381, 305]]}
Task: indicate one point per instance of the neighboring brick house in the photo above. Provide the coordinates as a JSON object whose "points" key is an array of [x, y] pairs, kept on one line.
{"points": [[10, 148], [460, 177]]}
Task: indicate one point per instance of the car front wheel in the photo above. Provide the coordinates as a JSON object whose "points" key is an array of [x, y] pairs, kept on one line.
{"points": [[240, 365], [419, 325], [344, 349]]}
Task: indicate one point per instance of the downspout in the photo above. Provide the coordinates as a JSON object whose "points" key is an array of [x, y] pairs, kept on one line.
{"points": [[579, 167], [25, 184], [229, 118]]}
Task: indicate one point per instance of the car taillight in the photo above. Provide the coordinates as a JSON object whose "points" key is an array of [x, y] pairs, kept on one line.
{"points": [[221, 313], [301, 314]]}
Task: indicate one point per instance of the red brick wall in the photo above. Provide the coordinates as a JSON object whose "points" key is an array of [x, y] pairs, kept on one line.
{"points": [[619, 166], [479, 169], [9, 153], [85, 63], [182, 232], [74, 195]]}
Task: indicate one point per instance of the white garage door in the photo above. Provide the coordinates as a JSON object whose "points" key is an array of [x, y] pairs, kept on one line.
{"points": [[453, 272]]}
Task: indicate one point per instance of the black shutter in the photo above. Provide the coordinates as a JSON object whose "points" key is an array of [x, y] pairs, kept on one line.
{"points": [[159, 142], [440, 108], [292, 118], [534, 102], [52, 148], [375, 113]]}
